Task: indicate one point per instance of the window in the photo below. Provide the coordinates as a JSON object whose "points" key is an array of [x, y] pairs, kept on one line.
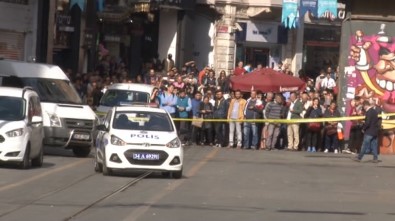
{"points": [[54, 90], [12, 108], [117, 97], [140, 120]]}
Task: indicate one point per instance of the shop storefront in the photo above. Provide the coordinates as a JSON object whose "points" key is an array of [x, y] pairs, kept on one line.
{"points": [[321, 44], [321, 48], [260, 43]]}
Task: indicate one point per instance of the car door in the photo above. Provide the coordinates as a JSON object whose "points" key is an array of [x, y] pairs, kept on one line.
{"points": [[33, 128], [100, 141]]}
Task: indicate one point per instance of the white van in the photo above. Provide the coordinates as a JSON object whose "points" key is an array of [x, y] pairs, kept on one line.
{"points": [[68, 123], [125, 93]]}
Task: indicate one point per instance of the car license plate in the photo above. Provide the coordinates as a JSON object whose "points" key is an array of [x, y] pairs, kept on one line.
{"points": [[145, 156], [81, 136]]}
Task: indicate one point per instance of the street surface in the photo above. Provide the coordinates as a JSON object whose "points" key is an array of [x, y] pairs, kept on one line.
{"points": [[218, 184]]}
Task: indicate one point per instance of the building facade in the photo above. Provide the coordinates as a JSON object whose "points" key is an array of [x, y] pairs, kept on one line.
{"points": [[216, 33], [18, 29]]}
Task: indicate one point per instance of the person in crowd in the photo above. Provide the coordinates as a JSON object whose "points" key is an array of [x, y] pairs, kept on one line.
{"points": [[190, 84], [80, 88], [95, 95], [203, 74], [331, 137], [273, 110], [220, 112], [168, 64], [252, 111], [247, 68], [331, 73], [294, 112], [210, 82], [223, 81], [179, 83], [319, 80], [236, 112], [192, 69], [310, 86], [370, 129], [239, 70], [155, 96], [210, 96], [328, 83], [355, 141], [184, 106], [151, 78], [306, 102], [206, 110], [314, 128], [195, 133], [168, 100], [279, 67], [269, 98]]}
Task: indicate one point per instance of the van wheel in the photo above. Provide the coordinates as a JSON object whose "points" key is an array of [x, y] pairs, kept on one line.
{"points": [[39, 160], [81, 151], [25, 164]]}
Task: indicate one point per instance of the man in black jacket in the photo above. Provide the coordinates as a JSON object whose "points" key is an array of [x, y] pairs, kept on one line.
{"points": [[220, 112], [370, 129]]}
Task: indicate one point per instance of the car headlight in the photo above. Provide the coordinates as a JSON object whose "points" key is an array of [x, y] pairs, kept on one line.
{"points": [[54, 121], [176, 143], [15, 133], [117, 141]]}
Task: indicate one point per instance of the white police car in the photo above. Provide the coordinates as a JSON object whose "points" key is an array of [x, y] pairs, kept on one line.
{"points": [[139, 138], [21, 127]]}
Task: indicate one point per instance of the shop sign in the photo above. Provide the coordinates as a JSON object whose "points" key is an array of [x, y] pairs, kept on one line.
{"points": [[262, 32]]}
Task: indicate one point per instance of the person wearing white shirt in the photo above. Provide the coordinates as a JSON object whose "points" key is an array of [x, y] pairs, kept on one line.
{"points": [[328, 83]]}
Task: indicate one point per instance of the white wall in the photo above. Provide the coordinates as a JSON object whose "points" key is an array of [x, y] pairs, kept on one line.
{"points": [[167, 33], [21, 18], [203, 42]]}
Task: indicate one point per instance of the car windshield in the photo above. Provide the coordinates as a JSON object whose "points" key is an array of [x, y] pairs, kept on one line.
{"points": [[54, 90], [140, 120], [117, 97], [12, 108]]}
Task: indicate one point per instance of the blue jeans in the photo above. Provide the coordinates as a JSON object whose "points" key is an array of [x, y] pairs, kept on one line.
{"points": [[331, 142], [248, 128], [369, 143]]}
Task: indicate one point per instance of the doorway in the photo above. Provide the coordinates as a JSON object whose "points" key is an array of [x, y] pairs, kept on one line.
{"points": [[256, 56]]}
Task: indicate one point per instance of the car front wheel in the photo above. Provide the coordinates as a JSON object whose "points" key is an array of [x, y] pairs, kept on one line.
{"points": [[98, 166], [39, 160], [177, 174], [106, 171], [25, 164]]}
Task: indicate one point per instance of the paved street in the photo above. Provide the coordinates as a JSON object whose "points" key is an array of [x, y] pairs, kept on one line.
{"points": [[218, 184]]}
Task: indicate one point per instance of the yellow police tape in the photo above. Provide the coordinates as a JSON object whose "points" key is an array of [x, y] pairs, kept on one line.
{"points": [[386, 124]]}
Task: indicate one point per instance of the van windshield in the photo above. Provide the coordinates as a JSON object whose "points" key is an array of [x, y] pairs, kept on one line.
{"points": [[117, 97], [12, 108], [53, 90]]}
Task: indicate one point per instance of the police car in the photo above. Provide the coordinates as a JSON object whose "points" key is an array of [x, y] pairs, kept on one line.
{"points": [[139, 138]]}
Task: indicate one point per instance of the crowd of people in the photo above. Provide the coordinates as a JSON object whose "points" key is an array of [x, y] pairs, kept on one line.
{"points": [[233, 119]]}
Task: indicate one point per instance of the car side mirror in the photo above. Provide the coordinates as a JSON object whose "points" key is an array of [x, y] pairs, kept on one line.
{"points": [[101, 127], [37, 119]]}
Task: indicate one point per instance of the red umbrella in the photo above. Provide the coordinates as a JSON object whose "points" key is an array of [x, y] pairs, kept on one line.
{"points": [[267, 80]]}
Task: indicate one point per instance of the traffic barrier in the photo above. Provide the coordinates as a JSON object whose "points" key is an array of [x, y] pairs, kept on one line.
{"points": [[386, 124]]}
